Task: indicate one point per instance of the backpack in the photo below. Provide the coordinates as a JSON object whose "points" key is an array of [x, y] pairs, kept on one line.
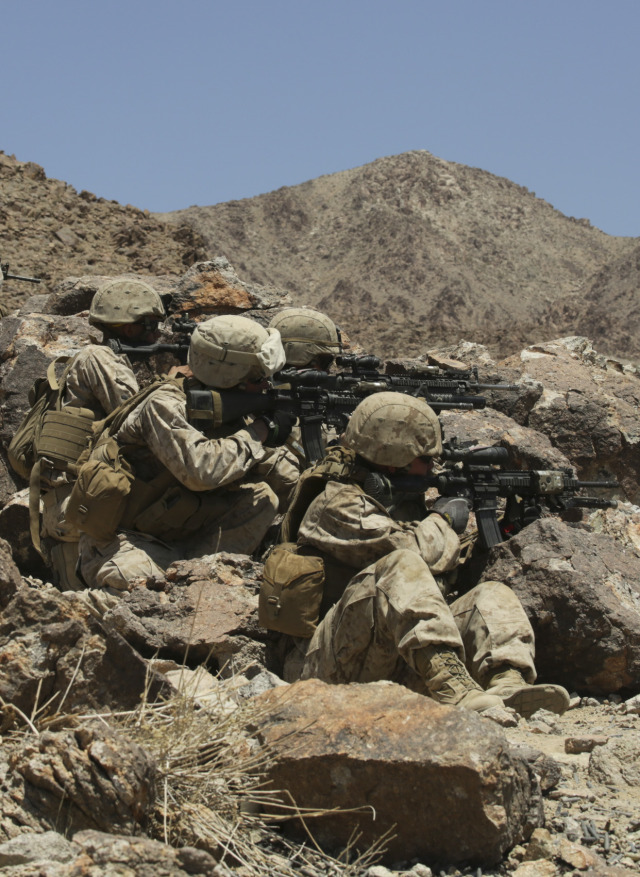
{"points": [[45, 399], [104, 480], [49, 438]]}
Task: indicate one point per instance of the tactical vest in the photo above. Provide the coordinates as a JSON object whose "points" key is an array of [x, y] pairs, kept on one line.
{"points": [[125, 487]]}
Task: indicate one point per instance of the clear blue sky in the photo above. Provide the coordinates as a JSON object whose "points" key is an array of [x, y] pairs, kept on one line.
{"points": [[168, 103]]}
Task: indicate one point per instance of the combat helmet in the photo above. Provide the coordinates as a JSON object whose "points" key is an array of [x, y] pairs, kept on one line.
{"points": [[227, 350], [123, 301], [392, 429], [306, 335]]}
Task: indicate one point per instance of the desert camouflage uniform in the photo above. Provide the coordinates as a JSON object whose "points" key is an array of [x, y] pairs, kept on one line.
{"points": [[99, 380], [243, 483], [393, 604]]}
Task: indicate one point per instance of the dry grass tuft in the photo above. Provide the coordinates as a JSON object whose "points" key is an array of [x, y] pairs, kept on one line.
{"points": [[210, 788]]}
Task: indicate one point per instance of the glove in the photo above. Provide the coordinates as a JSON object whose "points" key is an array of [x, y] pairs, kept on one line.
{"points": [[279, 424], [455, 511]]}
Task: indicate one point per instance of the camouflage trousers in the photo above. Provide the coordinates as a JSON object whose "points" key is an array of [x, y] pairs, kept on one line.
{"points": [[394, 608], [132, 556]]}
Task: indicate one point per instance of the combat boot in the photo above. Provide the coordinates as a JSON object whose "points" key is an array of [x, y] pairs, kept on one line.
{"points": [[448, 681], [509, 684]]}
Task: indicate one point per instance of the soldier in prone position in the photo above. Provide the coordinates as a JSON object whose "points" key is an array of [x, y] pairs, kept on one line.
{"points": [[384, 613]]}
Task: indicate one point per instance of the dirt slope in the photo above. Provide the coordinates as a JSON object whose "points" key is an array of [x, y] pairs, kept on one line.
{"points": [[49, 230]]}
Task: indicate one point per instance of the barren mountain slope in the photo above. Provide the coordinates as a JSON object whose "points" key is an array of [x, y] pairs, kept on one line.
{"points": [[412, 250], [610, 309], [49, 230]]}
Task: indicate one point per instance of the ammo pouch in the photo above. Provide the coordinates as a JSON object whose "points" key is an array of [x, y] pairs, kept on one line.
{"points": [[63, 437], [99, 496], [291, 592]]}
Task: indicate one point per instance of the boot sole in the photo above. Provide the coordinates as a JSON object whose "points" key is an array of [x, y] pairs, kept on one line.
{"points": [[531, 698]]}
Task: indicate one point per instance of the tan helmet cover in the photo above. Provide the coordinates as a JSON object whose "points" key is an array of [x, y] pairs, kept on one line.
{"points": [[392, 429], [305, 334], [226, 350], [125, 300]]}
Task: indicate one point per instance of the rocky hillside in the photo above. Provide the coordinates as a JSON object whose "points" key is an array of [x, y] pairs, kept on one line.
{"points": [[49, 230], [411, 251], [407, 252]]}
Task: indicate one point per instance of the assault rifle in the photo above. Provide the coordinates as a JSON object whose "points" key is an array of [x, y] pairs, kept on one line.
{"points": [[180, 327], [6, 275], [313, 406], [364, 377], [180, 349], [476, 474]]}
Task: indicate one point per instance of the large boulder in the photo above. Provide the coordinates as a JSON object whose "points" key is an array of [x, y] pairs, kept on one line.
{"points": [[442, 781], [581, 592], [588, 405], [527, 448]]}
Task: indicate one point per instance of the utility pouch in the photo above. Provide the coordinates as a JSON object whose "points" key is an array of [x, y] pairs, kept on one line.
{"points": [[99, 496], [291, 592], [180, 513]]}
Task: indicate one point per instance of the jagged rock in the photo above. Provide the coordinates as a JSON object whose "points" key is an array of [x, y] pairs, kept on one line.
{"points": [[617, 763], [547, 769], [140, 856], [589, 408], [10, 579], [32, 848], [581, 593], [53, 649], [9, 481], [412, 765], [91, 777], [203, 610], [15, 530], [214, 288], [527, 448]]}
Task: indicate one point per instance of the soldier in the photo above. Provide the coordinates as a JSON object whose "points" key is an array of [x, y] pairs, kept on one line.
{"points": [[311, 341], [96, 382], [196, 491], [384, 581]]}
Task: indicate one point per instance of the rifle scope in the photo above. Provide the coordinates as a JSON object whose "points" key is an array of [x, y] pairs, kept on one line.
{"points": [[476, 456]]}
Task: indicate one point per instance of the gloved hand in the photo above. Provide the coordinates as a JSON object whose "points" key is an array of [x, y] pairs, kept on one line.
{"points": [[455, 511], [279, 424]]}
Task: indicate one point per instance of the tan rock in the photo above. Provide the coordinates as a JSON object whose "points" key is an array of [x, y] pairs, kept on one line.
{"points": [[405, 763]]}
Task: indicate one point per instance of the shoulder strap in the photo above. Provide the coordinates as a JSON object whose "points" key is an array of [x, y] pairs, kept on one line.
{"points": [[114, 420], [339, 464]]}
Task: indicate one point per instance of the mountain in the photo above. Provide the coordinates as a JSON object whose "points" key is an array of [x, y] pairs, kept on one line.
{"points": [[411, 251], [406, 253]]}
